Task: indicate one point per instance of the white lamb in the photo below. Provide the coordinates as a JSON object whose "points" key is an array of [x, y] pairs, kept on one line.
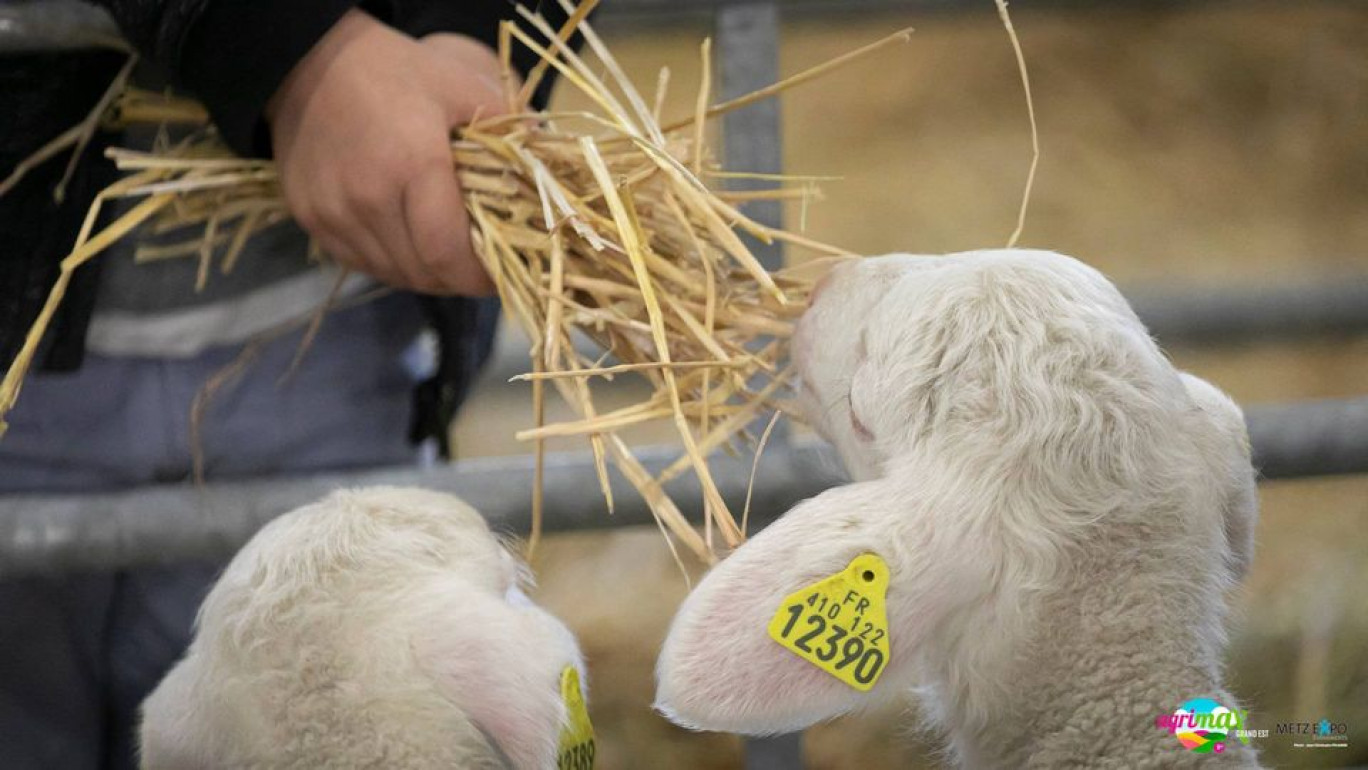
{"points": [[378, 628], [1060, 510]]}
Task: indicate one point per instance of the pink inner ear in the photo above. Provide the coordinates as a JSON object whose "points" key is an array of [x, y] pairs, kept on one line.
{"points": [[500, 666], [502, 689], [721, 671]]}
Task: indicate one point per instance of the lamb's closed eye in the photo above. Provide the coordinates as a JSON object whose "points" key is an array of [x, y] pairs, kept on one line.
{"points": [[1040, 482], [860, 427], [856, 424]]}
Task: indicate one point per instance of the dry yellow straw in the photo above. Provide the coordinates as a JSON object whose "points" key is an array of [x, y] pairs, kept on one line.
{"points": [[1030, 112], [598, 223]]}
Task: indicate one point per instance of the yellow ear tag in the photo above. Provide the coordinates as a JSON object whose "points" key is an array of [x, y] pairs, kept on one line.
{"points": [[840, 624], [577, 737]]}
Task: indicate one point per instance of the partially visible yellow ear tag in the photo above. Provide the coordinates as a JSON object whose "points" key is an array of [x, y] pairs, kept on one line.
{"points": [[840, 624], [577, 737]]}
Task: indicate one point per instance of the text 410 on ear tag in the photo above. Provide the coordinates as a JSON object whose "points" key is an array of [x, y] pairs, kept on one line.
{"points": [[840, 624], [577, 747]]}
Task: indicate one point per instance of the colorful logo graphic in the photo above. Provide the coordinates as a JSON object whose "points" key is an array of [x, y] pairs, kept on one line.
{"points": [[1204, 726]]}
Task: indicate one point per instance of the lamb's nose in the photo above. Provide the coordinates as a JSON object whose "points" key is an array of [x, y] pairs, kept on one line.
{"points": [[817, 288]]}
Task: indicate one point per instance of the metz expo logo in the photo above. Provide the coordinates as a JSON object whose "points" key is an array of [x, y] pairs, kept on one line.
{"points": [[1325, 734], [1322, 729]]}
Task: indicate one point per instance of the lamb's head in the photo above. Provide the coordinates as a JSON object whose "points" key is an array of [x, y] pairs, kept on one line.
{"points": [[1010, 425], [387, 619]]}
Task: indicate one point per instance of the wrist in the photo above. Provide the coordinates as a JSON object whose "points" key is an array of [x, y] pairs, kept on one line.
{"points": [[354, 28], [236, 54]]}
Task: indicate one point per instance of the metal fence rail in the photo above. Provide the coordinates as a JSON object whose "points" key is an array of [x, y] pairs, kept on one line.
{"points": [[178, 522], [1332, 305], [1311, 438], [47, 533], [654, 11], [1327, 307]]}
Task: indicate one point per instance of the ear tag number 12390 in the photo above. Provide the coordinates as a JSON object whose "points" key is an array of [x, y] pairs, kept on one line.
{"points": [[577, 748], [840, 624]]}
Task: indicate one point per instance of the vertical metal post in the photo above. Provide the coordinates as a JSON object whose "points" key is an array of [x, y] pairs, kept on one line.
{"points": [[747, 56], [747, 59], [781, 752]]}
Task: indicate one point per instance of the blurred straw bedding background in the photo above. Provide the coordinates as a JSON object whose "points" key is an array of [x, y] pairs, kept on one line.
{"points": [[1186, 145]]}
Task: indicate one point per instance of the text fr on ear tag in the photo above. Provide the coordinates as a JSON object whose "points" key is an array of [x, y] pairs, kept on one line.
{"points": [[577, 736], [840, 624]]}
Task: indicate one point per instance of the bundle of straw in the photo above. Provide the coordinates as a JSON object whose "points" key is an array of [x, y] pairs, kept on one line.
{"points": [[599, 222]]}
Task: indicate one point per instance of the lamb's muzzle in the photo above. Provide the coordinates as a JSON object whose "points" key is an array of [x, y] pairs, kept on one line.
{"points": [[1062, 512]]}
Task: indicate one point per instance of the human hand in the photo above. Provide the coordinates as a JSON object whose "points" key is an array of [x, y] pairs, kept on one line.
{"points": [[361, 129]]}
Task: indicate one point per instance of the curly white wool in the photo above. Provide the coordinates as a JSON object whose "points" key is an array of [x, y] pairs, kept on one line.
{"points": [[379, 627], [1062, 512]]}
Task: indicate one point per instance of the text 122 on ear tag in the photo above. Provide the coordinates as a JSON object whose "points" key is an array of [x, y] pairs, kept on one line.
{"points": [[577, 748], [840, 624]]}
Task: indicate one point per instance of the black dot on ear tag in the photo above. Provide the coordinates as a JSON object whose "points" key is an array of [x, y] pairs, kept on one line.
{"points": [[867, 576]]}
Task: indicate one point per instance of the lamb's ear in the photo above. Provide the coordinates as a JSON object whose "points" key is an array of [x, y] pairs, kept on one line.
{"points": [[500, 664], [1228, 451], [720, 669]]}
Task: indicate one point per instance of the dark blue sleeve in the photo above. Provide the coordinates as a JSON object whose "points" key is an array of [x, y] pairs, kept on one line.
{"points": [[233, 54], [230, 54]]}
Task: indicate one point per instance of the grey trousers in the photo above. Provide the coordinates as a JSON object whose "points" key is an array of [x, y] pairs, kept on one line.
{"points": [[79, 652]]}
